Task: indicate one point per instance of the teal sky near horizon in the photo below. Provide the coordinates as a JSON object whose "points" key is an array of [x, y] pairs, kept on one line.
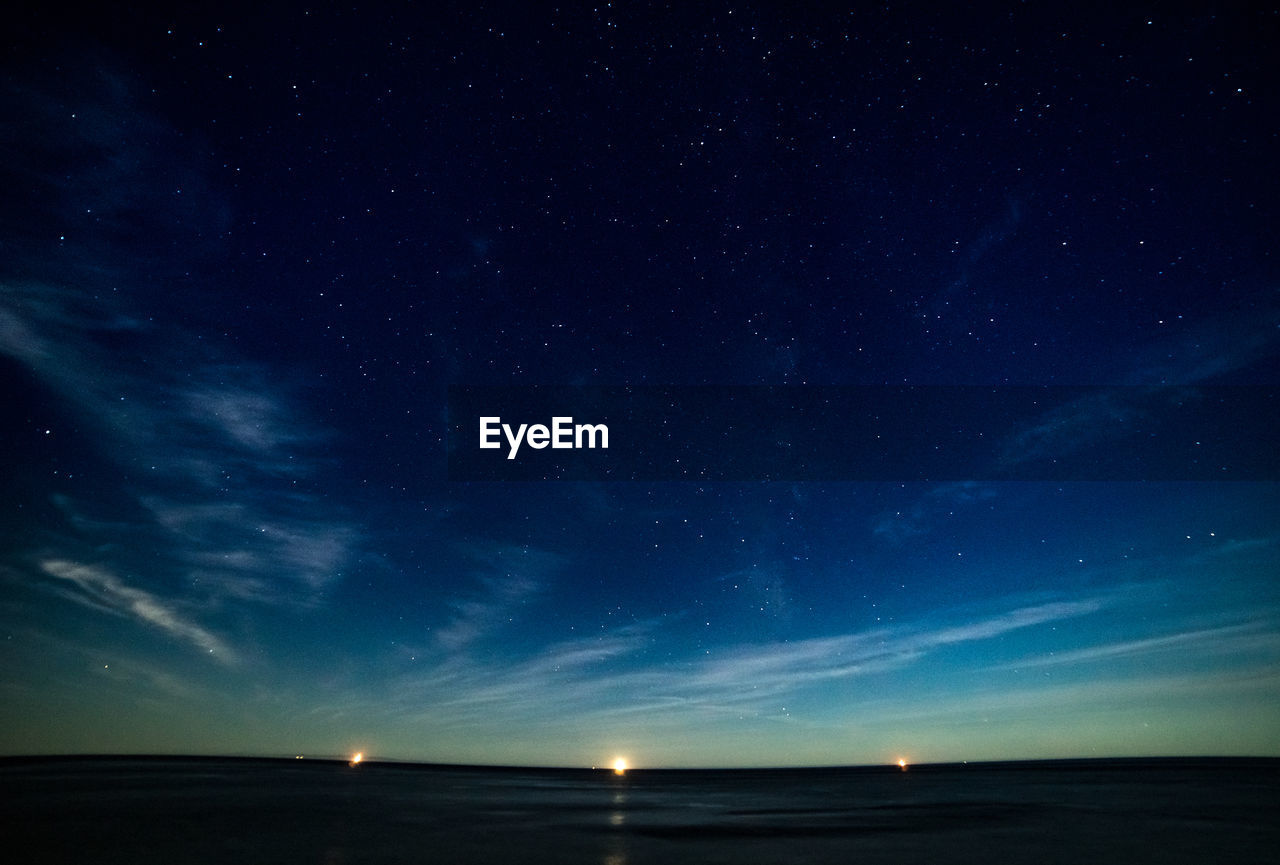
{"points": [[245, 252]]}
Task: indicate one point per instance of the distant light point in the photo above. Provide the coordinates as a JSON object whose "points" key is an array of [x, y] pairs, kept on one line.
{"points": [[619, 766], [355, 761], [902, 763]]}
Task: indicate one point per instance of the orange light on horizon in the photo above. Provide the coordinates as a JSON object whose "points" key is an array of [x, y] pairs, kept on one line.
{"points": [[359, 755], [619, 766], [902, 763]]}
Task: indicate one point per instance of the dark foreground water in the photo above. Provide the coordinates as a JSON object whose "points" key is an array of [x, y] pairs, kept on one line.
{"points": [[247, 811]]}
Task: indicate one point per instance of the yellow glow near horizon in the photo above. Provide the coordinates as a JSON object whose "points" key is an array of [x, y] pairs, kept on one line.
{"points": [[359, 755], [619, 766], [902, 763]]}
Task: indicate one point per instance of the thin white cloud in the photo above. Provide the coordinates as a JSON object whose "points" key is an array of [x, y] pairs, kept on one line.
{"points": [[1166, 373], [477, 617], [1212, 347], [918, 518], [578, 655], [759, 672], [1100, 416], [608, 676], [509, 577], [1021, 618], [1227, 639], [204, 435], [1083, 698], [245, 416], [214, 440], [249, 542], [104, 589], [18, 340]]}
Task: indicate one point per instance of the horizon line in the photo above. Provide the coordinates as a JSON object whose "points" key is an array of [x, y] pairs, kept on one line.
{"points": [[894, 766]]}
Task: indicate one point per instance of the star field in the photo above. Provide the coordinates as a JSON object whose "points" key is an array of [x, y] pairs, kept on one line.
{"points": [[248, 250]]}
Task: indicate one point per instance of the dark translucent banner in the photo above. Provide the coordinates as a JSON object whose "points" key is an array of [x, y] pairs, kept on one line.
{"points": [[864, 433]]}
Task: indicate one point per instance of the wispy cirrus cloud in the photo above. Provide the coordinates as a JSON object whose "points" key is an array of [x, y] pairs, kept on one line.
{"points": [[1097, 417], [219, 447], [247, 541], [249, 417], [616, 676], [476, 617], [1164, 375], [765, 670], [103, 590], [918, 518], [509, 577], [208, 451], [1229, 343], [1228, 639]]}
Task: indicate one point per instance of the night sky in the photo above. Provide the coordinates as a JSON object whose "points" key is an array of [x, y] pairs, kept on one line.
{"points": [[246, 251]]}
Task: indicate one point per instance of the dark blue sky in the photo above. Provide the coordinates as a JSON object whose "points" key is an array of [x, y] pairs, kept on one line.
{"points": [[245, 252]]}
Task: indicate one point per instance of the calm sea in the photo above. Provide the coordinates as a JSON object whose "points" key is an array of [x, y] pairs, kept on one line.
{"points": [[249, 811]]}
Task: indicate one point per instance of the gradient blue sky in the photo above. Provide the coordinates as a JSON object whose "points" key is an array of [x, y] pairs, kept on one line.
{"points": [[245, 252]]}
